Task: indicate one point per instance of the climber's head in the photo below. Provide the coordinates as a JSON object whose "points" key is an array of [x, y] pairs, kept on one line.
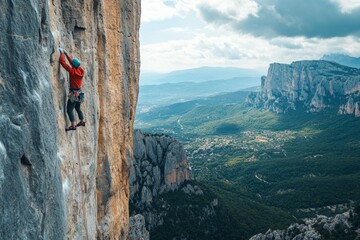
{"points": [[75, 62]]}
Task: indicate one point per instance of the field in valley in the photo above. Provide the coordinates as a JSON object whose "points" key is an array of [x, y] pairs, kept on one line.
{"points": [[266, 169]]}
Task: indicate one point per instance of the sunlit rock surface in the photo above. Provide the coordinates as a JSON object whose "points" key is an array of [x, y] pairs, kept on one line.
{"points": [[160, 164], [77, 184], [311, 86]]}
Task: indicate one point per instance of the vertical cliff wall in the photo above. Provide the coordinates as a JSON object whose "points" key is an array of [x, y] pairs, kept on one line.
{"points": [[159, 166], [77, 184], [311, 86]]}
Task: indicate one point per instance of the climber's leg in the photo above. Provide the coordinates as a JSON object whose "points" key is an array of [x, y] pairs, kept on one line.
{"points": [[70, 111], [80, 114]]}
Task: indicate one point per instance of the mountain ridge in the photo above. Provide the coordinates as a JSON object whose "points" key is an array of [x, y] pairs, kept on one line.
{"points": [[342, 59], [196, 75], [168, 93], [311, 85]]}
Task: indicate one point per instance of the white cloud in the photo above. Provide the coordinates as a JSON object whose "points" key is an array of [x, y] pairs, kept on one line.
{"points": [[312, 48], [234, 9], [347, 6], [156, 10], [231, 50], [320, 18], [184, 46], [240, 51], [175, 30]]}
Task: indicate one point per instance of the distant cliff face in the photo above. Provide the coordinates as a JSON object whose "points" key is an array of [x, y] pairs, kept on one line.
{"points": [[77, 186], [159, 166], [162, 190], [309, 85]]}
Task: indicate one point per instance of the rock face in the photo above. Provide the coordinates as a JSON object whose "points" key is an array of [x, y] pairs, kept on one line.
{"points": [[321, 227], [137, 230], [163, 191], [309, 85], [159, 166], [77, 184]]}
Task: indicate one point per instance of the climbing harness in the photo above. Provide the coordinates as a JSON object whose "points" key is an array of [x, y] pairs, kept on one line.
{"points": [[76, 95]]}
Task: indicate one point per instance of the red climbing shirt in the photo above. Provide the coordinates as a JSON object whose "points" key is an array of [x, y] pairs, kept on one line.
{"points": [[76, 74]]}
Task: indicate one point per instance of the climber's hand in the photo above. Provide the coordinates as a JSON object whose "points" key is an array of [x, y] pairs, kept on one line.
{"points": [[64, 51], [61, 50]]}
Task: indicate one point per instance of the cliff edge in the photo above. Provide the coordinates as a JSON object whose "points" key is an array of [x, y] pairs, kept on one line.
{"points": [[53, 184], [311, 86], [165, 201], [159, 166]]}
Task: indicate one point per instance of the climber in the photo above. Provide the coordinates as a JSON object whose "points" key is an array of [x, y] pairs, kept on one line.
{"points": [[76, 96]]}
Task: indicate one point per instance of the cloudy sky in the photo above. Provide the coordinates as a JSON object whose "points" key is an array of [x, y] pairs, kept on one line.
{"points": [[181, 34]]}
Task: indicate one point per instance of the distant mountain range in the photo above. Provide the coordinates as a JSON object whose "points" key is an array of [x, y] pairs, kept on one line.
{"points": [[343, 59], [168, 93], [163, 113], [196, 75]]}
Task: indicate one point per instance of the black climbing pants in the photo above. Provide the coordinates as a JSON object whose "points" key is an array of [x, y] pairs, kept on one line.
{"points": [[70, 110]]}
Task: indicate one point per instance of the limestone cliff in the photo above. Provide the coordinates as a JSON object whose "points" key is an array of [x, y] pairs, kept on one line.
{"points": [[163, 192], [137, 229], [77, 184], [160, 165], [311, 86]]}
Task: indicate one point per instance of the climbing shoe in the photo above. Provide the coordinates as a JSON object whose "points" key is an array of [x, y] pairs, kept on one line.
{"points": [[70, 128], [81, 124]]}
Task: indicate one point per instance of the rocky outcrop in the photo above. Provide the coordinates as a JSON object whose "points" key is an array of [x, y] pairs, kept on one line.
{"points": [[57, 185], [311, 86], [160, 165], [163, 191], [137, 229], [321, 227]]}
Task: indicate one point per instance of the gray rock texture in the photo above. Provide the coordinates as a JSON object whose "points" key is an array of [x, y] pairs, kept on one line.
{"points": [[32, 203], [137, 229], [160, 165], [321, 227], [163, 191], [311, 86], [57, 185]]}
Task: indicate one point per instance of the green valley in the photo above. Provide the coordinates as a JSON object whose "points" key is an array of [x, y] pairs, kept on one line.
{"points": [[266, 169]]}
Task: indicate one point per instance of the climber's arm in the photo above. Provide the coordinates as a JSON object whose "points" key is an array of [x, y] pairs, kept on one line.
{"points": [[67, 56], [63, 63]]}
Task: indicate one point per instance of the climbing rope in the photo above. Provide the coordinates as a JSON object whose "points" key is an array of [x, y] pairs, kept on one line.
{"points": [[82, 187]]}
